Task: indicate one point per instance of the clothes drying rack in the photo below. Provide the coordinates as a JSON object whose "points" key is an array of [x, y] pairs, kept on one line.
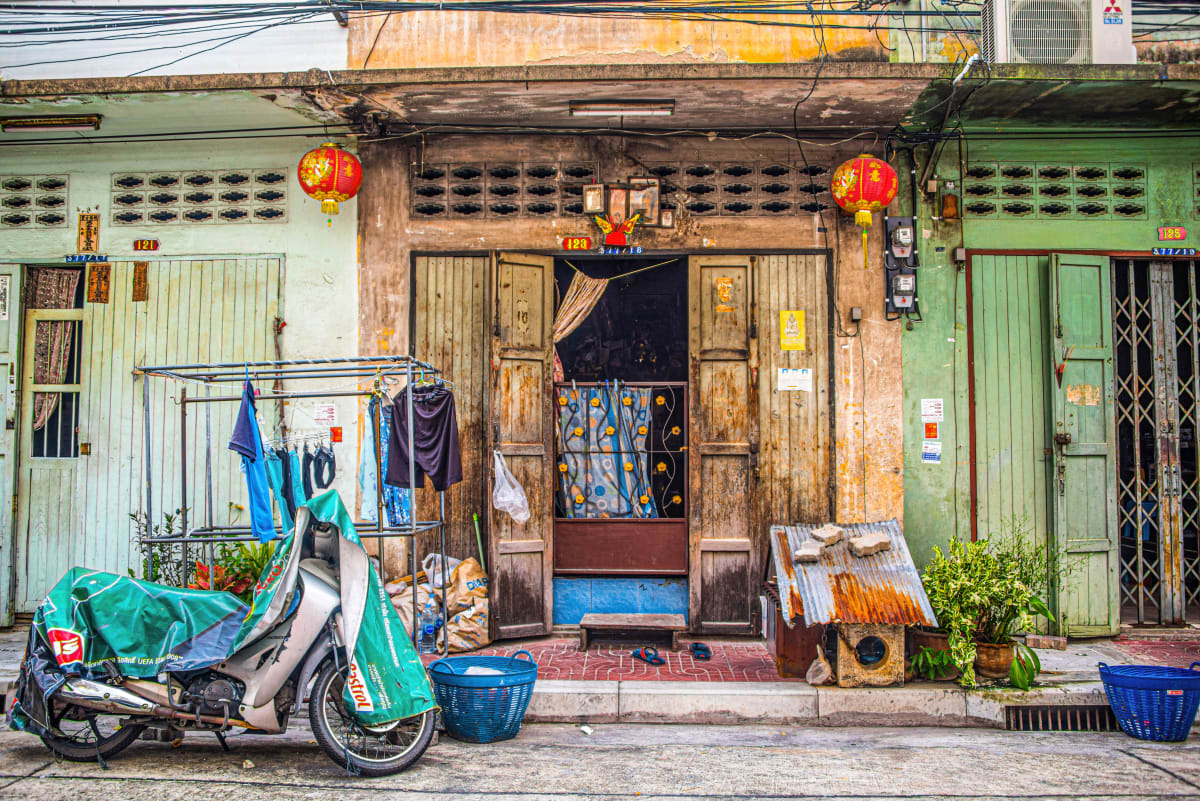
{"points": [[379, 370]]}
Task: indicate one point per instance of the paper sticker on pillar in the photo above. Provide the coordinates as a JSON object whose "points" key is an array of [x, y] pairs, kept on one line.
{"points": [[931, 431], [794, 380], [931, 452], [325, 415], [932, 410], [791, 330], [99, 280], [1083, 394], [723, 289]]}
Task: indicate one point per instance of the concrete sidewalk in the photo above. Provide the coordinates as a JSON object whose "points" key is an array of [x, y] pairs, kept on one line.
{"points": [[1069, 678]]}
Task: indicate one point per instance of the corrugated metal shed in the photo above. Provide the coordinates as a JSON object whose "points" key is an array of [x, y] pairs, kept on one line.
{"points": [[842, 588]]}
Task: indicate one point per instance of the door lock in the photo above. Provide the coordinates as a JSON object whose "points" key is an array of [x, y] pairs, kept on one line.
{"points": [[1062, 439]]}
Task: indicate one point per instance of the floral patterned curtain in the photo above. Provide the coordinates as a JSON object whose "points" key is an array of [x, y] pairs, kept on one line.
{"points": [[50, 288]]}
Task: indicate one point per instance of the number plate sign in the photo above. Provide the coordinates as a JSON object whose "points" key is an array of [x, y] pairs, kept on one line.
{"points": [[1172, 233], [1173, 251], [577, 243]]}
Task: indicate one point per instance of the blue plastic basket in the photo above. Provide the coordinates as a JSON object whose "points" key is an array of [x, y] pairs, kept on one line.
{"points": [[1153, 702], [484, 709]]}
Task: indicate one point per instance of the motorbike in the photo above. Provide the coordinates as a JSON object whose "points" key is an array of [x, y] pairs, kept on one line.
{"points": [[110, 657]]}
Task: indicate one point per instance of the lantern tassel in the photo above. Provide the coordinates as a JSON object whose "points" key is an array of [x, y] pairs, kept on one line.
{"points": [[329, 207], [863, 218]]}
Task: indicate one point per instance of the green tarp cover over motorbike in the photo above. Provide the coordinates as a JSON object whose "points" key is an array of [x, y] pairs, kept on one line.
{"points": [[144, 629]]}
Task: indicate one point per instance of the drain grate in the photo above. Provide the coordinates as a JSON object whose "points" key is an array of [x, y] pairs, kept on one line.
{"points": [[1084, 717]]}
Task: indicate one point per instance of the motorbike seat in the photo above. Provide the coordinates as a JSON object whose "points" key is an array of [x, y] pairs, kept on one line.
{"points": [[321, 569]]}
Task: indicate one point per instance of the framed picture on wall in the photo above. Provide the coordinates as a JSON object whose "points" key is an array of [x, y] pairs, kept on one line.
{"points": [[644, 200], [593, 199], [618, 203]]}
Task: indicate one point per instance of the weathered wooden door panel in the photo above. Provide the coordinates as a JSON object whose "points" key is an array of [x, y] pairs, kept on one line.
{"points": [[793, 473], [521, 557], [75, 509], [450, 333], [723, 435], [10, 349], [1010, 337], [1083, 438]]}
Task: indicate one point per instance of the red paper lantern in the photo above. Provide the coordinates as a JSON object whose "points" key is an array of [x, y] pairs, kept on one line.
{"points": [[862, 185], [330, 175]]}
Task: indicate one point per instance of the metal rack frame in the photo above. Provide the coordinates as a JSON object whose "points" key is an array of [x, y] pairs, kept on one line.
{"points": [[374, 368]]}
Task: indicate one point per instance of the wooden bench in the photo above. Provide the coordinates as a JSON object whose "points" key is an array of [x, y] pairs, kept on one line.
{"points": [[675, 625]]}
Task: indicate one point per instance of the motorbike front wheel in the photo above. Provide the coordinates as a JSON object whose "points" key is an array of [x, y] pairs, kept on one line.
{"points": [[367, 750]]}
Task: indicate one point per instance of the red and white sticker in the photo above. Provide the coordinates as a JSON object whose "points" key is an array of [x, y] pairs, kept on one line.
{"points": [[1174, 692], [67, 645], [358, 689]]}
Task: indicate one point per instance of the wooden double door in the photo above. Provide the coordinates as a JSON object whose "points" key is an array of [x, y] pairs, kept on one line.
{"points": [[759, 454]]}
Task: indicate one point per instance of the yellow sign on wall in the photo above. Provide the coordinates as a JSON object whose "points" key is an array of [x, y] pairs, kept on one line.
{"points": [[791, 330]]}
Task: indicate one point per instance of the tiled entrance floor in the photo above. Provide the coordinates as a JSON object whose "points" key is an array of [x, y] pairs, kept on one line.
{"points": [[560, 658], [1159, 652]]}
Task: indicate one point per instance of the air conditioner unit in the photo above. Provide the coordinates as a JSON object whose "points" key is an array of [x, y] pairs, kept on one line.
{"points": [[1058, 32]]}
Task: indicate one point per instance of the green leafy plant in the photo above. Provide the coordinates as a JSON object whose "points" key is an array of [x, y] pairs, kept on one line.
{"points": [[162, 562], [978, 593], [932, 663], [1025, 667]]}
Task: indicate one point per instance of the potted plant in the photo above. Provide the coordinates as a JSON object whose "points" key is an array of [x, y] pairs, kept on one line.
{"points": [[980, 594]]}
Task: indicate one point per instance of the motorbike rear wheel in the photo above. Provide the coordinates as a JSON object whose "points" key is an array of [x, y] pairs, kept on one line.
{"points": [[79, 742], [367, 750]]}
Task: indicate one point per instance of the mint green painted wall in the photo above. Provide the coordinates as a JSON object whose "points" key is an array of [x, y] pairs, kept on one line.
{"points": [[936, 496], [934, 352]]}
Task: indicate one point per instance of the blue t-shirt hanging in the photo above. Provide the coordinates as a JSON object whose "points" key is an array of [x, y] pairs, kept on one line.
{"points": [[247, 441]]}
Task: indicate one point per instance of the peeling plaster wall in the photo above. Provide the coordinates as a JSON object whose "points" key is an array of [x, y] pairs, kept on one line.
{"points": [[454, 38], [870, 474]]}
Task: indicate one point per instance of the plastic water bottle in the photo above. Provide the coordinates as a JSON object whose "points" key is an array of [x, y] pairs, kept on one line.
{"points": [[428, 641]]}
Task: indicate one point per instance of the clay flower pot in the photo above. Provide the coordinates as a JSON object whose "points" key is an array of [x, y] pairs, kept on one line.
{"points": [[993, 661], [921, 637]]}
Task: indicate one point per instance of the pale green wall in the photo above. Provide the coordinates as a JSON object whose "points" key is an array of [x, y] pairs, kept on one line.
{"points": [[933, 349], [320, 286]]}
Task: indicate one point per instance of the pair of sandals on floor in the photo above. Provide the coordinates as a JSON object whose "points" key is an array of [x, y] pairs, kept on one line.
{"points": [[649, 654]]}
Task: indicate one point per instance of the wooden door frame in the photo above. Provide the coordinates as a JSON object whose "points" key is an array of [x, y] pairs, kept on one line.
{"points": [[970, 318], [491, 321], [16, 322]]}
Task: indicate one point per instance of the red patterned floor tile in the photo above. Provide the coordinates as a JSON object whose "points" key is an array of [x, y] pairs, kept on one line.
{"points": [[560, 658], [1160, 652]]}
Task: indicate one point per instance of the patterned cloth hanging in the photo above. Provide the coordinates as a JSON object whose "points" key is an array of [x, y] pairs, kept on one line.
{"points": [[604, 468], [582, 296], [50, 288]]}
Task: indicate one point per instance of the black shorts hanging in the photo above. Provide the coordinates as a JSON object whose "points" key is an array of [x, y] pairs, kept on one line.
{"points": [[435, 439]]}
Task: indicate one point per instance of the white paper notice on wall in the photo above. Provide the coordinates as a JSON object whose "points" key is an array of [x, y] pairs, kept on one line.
{"points": [[325, 415], [795, 380], [4, 296], [932, 410], [931, 452]]}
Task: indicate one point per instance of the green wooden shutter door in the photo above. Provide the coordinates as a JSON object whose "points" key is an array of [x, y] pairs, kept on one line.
{"points": [[1082, 484]]}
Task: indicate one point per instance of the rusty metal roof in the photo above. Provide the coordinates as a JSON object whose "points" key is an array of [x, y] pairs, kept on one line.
{"points": [[842, 588]]}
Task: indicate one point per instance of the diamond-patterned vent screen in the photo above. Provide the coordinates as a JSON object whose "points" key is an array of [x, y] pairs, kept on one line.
{"points": [[216, 196], [1103, 191], [726, 189], [33, 201]]}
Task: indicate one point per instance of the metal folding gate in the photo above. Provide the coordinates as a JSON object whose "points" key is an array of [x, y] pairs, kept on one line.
{"points": [[1156, 332]]}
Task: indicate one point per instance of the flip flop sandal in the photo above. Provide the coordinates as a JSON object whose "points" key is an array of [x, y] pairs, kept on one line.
{"points": [[649, 655], [700, 652]]}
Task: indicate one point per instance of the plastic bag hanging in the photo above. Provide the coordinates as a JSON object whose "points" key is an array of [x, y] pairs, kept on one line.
{"points": [[507, 494]]}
